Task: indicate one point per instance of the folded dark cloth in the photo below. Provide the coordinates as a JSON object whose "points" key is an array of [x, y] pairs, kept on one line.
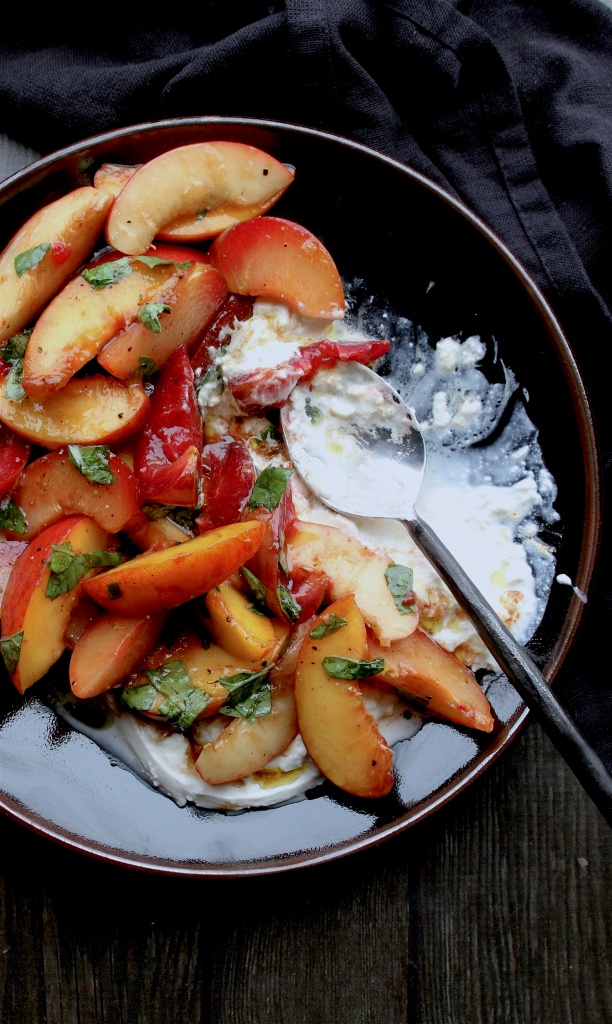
{"points": [[505, 103]]}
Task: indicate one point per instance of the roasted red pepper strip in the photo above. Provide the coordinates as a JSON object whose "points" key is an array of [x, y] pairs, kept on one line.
{"points": [[264, 387], [169, 448], [228, 475]]}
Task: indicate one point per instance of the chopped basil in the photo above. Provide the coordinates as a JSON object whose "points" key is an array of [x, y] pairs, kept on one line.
{"points": [[248, 694], [269, 433], [348, 668], [13, 352], [147, 367], [183, 517], [156, 261], [149, 315], [31, 257], [14, 349], [312, 411], [269, 487], [114, 591], [256, 586], [10, 648], [92, 460], [184, 701], [11, 516], [331, 624], [108, 273], [139, 698], [68, 568], [201, 215], [288, 603], [400, 581], [282, 554], [210, 381]]}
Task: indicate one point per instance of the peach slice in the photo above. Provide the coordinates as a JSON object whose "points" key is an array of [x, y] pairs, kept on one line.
{"points": [[280, 260], [51, 487], [111, 178], [156, 580], [81, 319], [206, 186], [27, 610], [194, 301], [339, 733], [422, 669], [234, 624], [89, 410], [70, 227], [353, 567], [108, 649]]}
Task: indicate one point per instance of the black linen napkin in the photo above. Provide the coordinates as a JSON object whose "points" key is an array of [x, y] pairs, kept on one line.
{"points": [[505, 103]]}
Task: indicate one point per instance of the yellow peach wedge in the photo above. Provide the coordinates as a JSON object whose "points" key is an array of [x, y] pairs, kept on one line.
{"points": [[44, 254], [206, 186], [339, 733]]}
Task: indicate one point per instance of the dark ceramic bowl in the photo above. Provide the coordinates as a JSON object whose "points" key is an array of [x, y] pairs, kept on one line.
{"points": [[398, 231]]}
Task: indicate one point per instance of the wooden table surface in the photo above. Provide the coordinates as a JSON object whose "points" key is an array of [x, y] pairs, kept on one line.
{"points": [[496, 910]]}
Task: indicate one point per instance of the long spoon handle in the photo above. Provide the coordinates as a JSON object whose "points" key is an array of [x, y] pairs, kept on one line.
{"points": [[519, 668]]}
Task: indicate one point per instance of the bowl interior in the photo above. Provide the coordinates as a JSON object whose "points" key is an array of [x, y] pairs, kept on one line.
{"points": [[399, 233]]}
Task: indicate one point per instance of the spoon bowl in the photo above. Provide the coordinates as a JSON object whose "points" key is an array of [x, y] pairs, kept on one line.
{"points": [[359, 448]]}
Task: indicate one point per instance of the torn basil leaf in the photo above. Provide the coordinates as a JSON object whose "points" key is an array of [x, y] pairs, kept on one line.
{"points": [[156, 261], [92, 460], [10, 648], [11, 516], [68, 568], [184, 701], [348, 668], [13, 352], [149, 315], [269, 487], [147, 367], [288, 603], [248, 694], [139, 698], [108, 273], [179, 514], [331, 624], [256, 587], [400, 582], [24, 261]]}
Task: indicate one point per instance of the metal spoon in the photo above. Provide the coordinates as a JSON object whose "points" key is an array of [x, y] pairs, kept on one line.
{"points": [[375, 471]]}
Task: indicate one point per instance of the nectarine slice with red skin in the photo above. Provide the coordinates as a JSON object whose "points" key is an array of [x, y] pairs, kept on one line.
{"points": [[278, 259], [70, 226], [89, 410], [168, 450], [157, 580], [14, 453], [420, 668], [154, 534], [193, 192], [51, 487], [339, 733], [109, 649], [194, 300], [82, 319], [26, 608], [236, 627], [111, 178]]}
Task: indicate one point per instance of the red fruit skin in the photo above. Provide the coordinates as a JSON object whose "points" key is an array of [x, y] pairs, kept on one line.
{"points": [[228, 475], [14, 453], [168, 450], [236, 307], [265, 387]]}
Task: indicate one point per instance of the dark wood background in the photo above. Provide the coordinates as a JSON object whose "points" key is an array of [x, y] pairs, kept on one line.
{"points": [[496, 910]]}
